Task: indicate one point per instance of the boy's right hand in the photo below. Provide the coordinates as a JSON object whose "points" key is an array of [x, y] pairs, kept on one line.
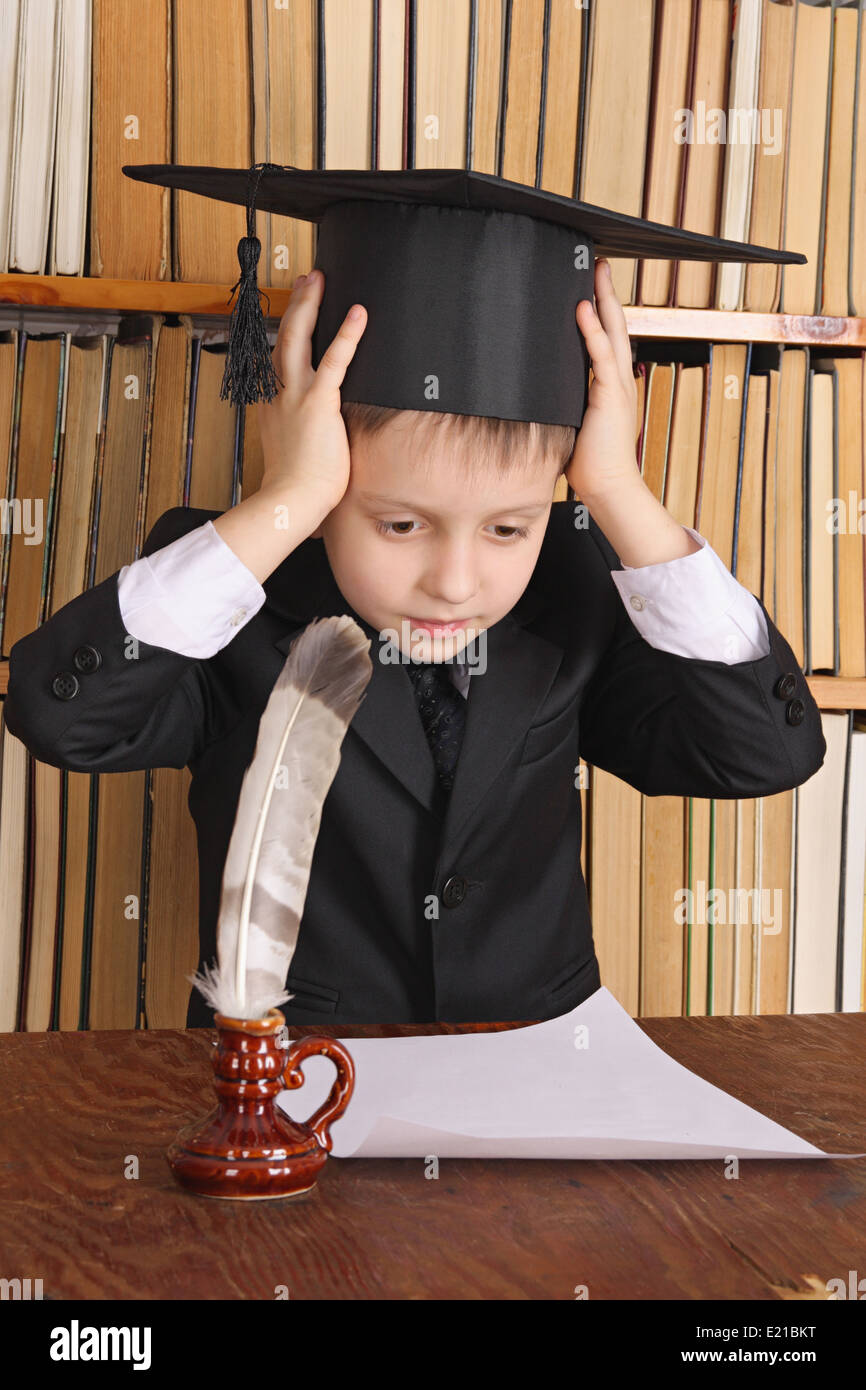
{"points": [[304, 440]]}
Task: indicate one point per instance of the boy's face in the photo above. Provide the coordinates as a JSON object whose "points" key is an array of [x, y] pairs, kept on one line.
{"points": [[424, 539]]}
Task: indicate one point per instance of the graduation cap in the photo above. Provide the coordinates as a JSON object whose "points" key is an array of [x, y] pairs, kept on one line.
{"points": [[470, 282]]}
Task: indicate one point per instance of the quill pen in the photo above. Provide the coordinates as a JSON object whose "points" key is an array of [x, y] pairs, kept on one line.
{"points": [[267, 867]]}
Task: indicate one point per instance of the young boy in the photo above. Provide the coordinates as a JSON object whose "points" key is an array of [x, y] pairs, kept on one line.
{"points": [[443, 887]]}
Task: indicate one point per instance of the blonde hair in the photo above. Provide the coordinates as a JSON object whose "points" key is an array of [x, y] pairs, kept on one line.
{"points": [[504, 444]]}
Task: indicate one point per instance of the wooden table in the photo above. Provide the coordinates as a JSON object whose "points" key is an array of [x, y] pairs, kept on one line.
{"points": [[81, 1109]]}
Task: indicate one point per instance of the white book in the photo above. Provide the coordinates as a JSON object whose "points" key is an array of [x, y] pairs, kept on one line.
{"points": [[740, 147], [35, 129], [855, 877], [10, 11], [818, 873], [72, 154]]}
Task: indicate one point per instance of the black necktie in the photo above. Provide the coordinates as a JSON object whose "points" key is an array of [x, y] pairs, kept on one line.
{"points": [[443, 715]]}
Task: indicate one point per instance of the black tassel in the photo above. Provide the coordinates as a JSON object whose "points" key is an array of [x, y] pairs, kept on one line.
{"points": [[249, 374]]}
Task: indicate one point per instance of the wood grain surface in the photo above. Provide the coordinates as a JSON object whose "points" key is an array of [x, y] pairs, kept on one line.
{"points": [[80, 1108]]}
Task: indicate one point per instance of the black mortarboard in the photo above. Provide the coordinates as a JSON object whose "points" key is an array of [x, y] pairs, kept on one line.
{"points": [[470, 282]]}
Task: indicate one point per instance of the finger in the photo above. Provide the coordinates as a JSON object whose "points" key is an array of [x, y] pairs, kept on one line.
{"points": [[293, 348], [604, 364], [340, 351], [613, 319]]}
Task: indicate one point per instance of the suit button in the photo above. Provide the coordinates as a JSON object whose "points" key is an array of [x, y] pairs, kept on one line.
{"points": [[87, 658], [785, 686], [65, 685], [454, 891], [795, 711]]}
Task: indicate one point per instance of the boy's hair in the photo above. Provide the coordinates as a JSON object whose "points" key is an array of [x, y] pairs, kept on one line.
{"points": [[505, 443]]}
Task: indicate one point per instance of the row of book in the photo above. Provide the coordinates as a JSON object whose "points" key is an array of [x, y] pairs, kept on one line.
{"points": [[754, 906], [699, 906], [745, 120], [760, 447]]}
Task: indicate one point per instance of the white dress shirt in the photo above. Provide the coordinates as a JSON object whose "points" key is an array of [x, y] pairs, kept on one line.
{"points": [[194, 595]]}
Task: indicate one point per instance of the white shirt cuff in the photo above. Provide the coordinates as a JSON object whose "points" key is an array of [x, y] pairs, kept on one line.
{"points": [[693, 606], [192, 596]]}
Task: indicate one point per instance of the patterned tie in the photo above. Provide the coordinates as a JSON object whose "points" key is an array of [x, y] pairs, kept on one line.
{"points": [[443, 715]]}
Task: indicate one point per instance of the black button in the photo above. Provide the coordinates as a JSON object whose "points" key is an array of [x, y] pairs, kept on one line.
{"points": [[785, 686], [795, 711], [65, 685], [454, 891], [87, 658]]}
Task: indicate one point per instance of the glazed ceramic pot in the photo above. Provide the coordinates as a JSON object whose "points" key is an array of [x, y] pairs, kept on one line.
{"points": [[246, 1148]]}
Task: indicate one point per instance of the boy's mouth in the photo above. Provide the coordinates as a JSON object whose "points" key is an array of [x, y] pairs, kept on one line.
{"points": [[437, 628]]}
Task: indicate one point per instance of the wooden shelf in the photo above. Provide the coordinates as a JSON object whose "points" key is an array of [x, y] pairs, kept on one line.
{"points": [[722, 325], [830, 692], [125, 296], [644, 321]]}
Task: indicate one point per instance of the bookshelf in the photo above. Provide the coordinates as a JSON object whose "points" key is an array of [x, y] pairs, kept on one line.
{"points": [[532, 93], [71, 293]]}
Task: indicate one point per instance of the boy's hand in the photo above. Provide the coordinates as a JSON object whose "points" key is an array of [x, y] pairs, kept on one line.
{"points": [[304, 441], [604, 458]]}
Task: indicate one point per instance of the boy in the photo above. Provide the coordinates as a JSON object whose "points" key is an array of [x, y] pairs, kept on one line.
{"points": [[446, 880], [443, 887]]}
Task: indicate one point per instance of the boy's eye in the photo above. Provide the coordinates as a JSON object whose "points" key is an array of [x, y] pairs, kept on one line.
{"points": [[390, 528]]}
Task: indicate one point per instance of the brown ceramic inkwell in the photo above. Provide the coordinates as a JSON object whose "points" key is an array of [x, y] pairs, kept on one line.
{"points": [[246, 1147]]}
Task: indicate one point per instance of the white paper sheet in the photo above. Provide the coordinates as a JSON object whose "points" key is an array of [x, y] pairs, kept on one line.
{"points": [[589, 1084]]}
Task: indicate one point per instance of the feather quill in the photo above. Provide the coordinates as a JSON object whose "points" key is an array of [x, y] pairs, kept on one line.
{"points": [[267, 867]]}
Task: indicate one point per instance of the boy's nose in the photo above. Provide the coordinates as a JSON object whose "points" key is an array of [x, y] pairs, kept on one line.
{"points": [[452, 582]]}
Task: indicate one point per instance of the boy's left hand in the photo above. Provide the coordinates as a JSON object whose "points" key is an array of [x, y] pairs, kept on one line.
{"points": [[604, 458]]}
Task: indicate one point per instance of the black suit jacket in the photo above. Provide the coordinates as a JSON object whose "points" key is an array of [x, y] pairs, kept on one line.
{"points": [[414, 915]]}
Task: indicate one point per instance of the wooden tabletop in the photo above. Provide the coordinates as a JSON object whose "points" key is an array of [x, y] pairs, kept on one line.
{"points": [[82, 1110]]}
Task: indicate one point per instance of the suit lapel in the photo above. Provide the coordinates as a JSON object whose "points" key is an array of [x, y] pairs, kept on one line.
{"points": [[520, 668]]}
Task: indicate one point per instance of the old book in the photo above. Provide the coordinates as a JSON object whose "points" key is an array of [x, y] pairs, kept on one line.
{"points": [[766, 219], [14, 760], [616, 130], [789, 528], [822, 487], [857, 245], [211, 59], [819, 837], [615, 883], [283, 42], [33, 479], [664, 869], [170, 849], [708, 94], [739, 146], [562, 92], [37, 72], [665, 168], [804, 196], [775, 878], [833, 281], [116, 947], [69, 185], [131, 124]]}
